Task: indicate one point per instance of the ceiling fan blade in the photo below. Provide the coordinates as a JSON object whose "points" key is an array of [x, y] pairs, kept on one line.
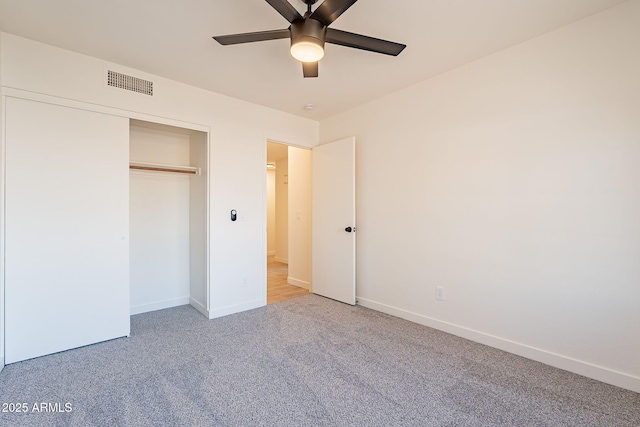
{"points": [[330, 10], [285, 9], [310, 69], [358, 41], [252, 37]]}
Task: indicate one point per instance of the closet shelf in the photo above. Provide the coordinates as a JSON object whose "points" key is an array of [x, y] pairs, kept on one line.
{"points": [[164, 168]]}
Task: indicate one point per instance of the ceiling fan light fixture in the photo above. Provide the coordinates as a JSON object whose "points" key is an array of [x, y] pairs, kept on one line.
{"points": [[307, 49], [309, 33], [307, 40]]}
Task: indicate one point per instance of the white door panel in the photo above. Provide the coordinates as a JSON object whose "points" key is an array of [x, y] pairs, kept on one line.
{"points": [[334, 210], [67, 261]]}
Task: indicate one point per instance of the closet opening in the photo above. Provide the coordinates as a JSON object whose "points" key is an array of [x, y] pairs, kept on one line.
{"points": [[167, 217]]}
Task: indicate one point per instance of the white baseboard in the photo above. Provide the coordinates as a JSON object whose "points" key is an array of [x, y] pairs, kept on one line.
{"points": [[200, 307], [300, 283], [271, 253], [237, 308], [579, 367], [158, 305], [282, 260], [1, 363]]}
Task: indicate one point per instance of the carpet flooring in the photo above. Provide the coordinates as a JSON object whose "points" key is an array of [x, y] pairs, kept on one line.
{"points": [[307, 361]]}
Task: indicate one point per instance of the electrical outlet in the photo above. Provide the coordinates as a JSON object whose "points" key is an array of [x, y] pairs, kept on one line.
{"points": [[439, 293]]}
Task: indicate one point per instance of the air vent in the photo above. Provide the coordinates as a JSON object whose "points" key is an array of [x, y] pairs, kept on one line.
{"points": [[134, 84]]}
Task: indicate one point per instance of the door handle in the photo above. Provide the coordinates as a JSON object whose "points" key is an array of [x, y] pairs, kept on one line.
{"points": [[349, 229]]}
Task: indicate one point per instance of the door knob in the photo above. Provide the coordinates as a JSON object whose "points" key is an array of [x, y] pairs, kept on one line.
{"points": [[348, 229]]}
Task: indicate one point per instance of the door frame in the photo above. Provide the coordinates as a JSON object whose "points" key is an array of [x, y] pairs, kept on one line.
{"points": [[3, 160]]}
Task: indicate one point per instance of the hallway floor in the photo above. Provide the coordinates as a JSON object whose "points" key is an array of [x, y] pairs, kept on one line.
{"points": [[277, 287]]}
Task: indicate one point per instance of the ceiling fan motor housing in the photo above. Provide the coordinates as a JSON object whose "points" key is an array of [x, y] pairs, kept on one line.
{"points": [[308, 30]]}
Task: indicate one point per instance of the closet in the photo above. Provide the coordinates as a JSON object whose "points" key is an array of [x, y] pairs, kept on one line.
{"points": [[104, 217], [167, 221]]}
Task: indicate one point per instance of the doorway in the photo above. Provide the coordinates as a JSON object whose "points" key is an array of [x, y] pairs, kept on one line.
{"points": [[288, 221]]}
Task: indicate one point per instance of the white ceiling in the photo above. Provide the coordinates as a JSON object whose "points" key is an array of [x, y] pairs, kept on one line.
{"points": [[172, 39]]}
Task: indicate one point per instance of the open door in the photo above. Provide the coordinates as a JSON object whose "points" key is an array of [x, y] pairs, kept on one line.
{"points": [[334, 221]]}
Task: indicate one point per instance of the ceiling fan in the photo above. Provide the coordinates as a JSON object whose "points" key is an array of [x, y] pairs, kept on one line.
{"points": [[309, 33]]}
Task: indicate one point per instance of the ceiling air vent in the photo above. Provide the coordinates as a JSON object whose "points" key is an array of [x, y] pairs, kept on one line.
{"points": [[134, 84]]}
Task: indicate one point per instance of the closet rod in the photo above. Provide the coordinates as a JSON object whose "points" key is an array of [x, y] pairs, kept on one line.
{"points": [[163, 168]]}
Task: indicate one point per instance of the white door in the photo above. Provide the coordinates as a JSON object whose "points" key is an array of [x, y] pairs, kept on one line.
{"points": [[334, 221], [66, 228]]}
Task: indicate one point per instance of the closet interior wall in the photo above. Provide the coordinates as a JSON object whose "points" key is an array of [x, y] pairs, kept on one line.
{"points": [[168, 225]]}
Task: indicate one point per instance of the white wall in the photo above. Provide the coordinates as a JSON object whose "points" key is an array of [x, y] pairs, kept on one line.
{"points": [[238, 133], [299, 213], [239, 247], [41, 68], [271, 212], [512, 182], [282, 210]]}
